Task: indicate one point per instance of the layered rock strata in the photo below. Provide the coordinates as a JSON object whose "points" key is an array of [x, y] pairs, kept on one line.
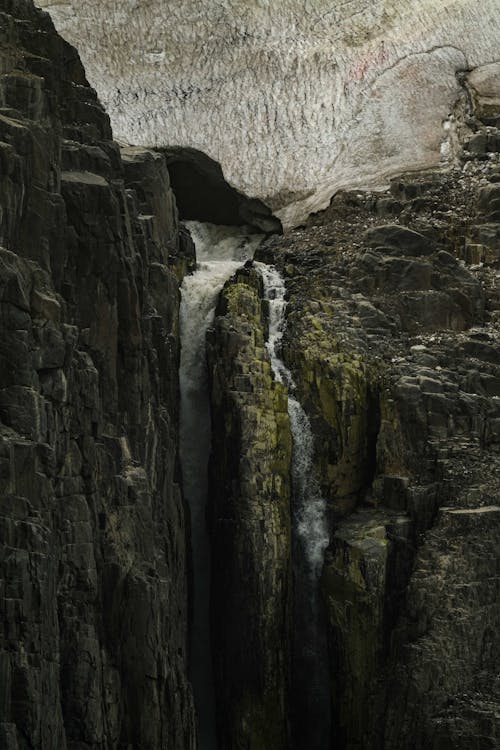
{"points": [[393, 341], [92, 524]]}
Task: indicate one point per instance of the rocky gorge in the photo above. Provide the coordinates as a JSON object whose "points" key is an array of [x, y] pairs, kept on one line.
{"points": [[377, 316]]}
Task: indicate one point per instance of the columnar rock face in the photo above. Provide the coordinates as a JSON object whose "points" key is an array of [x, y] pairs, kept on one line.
{"points": [[445, 687], [93, 549], [250, 525], [393, 340], [295, 98]]}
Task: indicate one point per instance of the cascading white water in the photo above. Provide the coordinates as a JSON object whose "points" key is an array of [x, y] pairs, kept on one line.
{"points": [[310, 679], [310, 510], [220, 252]]}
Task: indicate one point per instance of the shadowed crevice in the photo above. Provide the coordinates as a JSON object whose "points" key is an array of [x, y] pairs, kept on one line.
{"points": [[202, 193]]}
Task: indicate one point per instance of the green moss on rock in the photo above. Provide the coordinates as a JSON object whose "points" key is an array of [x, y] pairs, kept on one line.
{"points": [[250, 523], [338, 388]]}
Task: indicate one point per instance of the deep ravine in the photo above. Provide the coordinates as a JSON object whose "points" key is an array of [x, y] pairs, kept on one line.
{"points": [[219, 251], [310, 678], [392, 335]]}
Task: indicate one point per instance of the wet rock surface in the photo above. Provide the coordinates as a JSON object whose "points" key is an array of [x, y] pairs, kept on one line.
{"points": [[393, 340], [92, 524], [250, 524]]}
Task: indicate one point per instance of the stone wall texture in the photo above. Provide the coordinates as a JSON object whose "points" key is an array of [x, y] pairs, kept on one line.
{"points": [[392, 336], [250, 525], [92, 528]]}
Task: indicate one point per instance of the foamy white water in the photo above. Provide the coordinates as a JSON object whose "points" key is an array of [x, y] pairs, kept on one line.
{"points": [[310, 513], [310, 678], [220, 252]]}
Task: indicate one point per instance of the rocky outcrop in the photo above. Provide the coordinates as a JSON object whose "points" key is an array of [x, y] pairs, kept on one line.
{"points": [[337, 389], [93, 558], [250, 525], [366, 569], [392, 337], [444, 688], [294, 99], [393, 340]]}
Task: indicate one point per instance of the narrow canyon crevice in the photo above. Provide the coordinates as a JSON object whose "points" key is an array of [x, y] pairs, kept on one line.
{"points": [[219, 252], [306, 445]]}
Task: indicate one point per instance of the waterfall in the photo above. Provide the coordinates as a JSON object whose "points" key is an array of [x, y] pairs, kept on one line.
{"points": [[310, 678], [220, 252], [310, 507]]}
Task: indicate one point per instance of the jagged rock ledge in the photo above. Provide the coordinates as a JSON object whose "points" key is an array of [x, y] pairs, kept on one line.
{"points": [[92, 523], [393, 340]]}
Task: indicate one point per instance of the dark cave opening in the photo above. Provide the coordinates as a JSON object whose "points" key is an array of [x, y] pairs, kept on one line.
{"points": [[203, 194]]}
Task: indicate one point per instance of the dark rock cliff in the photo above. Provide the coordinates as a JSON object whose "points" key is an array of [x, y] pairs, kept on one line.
{"points": [[393, 341], [92, 524], [250, 524]]}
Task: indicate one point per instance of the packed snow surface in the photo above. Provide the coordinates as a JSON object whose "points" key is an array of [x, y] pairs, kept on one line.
{"points": [[294, 98]]}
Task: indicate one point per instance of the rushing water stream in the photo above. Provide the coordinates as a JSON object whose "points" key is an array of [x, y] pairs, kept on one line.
{"points": [[311, 694], [309, 511], [220, 251]]}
